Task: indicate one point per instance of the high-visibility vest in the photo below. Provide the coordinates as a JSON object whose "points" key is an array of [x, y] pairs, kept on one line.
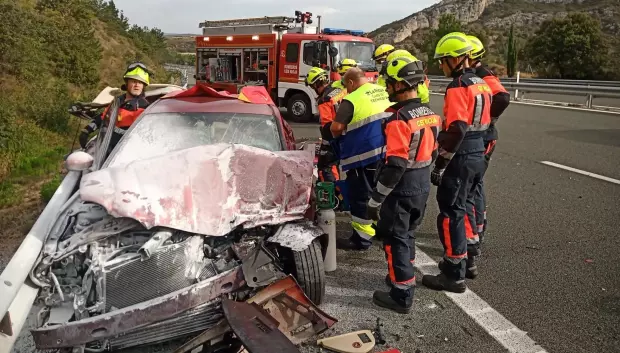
{"points": [[363, 142], [338, 84]]}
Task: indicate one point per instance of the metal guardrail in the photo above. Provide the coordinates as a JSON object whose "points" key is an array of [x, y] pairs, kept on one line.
{"points": [[17, 294], [519, 89], [551, 81]]}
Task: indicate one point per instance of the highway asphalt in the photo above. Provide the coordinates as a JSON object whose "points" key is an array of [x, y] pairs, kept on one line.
{"points": [[550, 261]]}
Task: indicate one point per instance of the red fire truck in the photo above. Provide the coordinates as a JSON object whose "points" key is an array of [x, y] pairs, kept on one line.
{"points": [[276, 53]]}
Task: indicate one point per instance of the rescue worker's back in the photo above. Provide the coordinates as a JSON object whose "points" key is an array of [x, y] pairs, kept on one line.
{"points": [[460, 166]]}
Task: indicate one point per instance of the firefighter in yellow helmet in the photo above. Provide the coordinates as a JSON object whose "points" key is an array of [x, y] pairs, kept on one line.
{"points": [[403, 185], [460, 166], [501, 100], [343, 66], [137, 76], [423, 91], [380, 56]]}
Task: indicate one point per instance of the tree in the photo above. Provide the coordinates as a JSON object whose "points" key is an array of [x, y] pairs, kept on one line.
{"points": [[569, 48], [448, 23], [511, 53]]}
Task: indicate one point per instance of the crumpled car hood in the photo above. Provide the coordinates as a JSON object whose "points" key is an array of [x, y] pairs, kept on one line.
{"points": [[207, 190]]}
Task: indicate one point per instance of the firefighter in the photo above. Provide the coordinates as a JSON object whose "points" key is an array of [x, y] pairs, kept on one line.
{"points": [[423, 90], [403, 184], [343, 66], [131, 104], [459, 168], [380, 56], [360, 113], [501, 100], [328, 101]]}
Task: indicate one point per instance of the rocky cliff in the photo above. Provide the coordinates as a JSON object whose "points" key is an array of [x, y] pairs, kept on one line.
{"points": [[495, 15]]}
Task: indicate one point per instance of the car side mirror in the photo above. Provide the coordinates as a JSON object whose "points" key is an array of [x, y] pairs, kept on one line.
{"points": [[79, 161], [333, 51]]}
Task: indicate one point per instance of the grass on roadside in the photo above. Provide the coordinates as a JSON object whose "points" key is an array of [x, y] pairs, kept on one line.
{"points": [[33, 155]]}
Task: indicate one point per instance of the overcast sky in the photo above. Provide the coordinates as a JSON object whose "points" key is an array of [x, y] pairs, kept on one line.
{"points": [[183, 16]]}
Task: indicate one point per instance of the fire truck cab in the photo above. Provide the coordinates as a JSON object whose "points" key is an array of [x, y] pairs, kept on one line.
{"points": [[273, 52]]}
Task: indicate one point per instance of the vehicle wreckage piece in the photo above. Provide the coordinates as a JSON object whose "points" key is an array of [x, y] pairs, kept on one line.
{"points": [[222, 186], [119, 321], [298, 318], [255, 328], [352, 342]]}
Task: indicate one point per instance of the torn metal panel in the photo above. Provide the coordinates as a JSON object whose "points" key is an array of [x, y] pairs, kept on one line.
{"points": [[299, 319], [259, 268], [135, 316], [255, 328], [207, 190], [297, 236]]}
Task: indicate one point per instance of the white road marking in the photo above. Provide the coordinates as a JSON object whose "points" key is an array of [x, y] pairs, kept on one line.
{"points": [[575, 170], [496, 325]]}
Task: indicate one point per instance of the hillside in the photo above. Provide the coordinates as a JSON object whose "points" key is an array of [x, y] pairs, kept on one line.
{"points": [[54, 53], [493, 18]]}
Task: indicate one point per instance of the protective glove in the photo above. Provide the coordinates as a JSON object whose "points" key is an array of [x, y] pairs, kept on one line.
{"points": [[372, 210], [436, 176]]}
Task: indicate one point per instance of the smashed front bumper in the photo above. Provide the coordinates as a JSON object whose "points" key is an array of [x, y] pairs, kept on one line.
{"points": [[119, 322], [282, 304]]}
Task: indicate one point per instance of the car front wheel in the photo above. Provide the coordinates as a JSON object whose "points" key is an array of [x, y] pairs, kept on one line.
{"points": [[307, 268]]}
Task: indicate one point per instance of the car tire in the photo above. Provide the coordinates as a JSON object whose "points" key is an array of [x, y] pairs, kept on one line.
{"points": [[307, 268], [299, 108]]}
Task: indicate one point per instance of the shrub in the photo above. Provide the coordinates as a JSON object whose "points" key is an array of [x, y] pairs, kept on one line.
{"points": [[48, 189]]}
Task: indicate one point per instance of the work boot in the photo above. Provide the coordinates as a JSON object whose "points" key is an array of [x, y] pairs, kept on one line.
{"points": [[384, 300], [470, 273], [443, 282], [350, 244], [471, 270], [388, 281]]}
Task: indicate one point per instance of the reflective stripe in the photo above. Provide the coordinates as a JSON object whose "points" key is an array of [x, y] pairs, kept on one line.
{"points": [[478, 127], [325, 143], [456, 259], [360, 157], [445, 154], [418, 165], [360, 221], [383, 190], [364, 231], [404, 285], [480, 228], [373, 203], [473, 240], [367, 121], [477, 110], [119, 131]]}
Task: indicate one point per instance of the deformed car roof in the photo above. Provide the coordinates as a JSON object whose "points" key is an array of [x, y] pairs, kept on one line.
{"points": [[251, 99], [197, 105]]}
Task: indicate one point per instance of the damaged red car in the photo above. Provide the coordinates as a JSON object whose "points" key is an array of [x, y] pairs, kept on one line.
{"points": [[205, 198]]}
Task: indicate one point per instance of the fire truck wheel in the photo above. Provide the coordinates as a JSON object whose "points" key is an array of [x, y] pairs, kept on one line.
{"points": [[299, 108]]}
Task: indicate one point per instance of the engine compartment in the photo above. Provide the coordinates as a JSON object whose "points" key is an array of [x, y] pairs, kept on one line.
{"points": [[93, 264]]}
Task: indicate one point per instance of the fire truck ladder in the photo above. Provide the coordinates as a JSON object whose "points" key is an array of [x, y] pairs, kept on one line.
{"points": [[275, 20]]}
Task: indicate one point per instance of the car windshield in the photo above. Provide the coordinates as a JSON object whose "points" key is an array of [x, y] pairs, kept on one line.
{"points": [[157, 134], [361, 52]]}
